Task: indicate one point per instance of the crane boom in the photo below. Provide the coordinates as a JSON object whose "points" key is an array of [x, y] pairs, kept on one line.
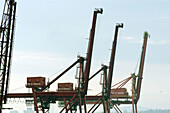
{"points": [[90, 49], [56, 78], [111, 65], [141, 66]]}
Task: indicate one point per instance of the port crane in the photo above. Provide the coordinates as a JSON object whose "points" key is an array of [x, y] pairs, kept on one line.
{"points": [[67, 95], [137, 78], [136, 81], [83, 76], [107, 79], [71, 98], [7, 29]]}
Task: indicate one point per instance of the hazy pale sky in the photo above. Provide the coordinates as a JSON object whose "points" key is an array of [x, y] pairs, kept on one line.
{"points": [[51, 33]]}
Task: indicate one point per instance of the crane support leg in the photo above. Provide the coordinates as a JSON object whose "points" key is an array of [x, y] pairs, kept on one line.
{"points": [[71, 105], [68, 103], [118, 109], [42, 106], [35, 100], [113, 106], [95, 104], [80, 102], [106, 107], [85, 109], [136, 108], [96, 107]]}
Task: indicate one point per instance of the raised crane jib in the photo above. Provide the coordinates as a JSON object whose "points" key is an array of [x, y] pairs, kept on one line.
{"points": [[90, 49], [112, 58], [141, 66]]}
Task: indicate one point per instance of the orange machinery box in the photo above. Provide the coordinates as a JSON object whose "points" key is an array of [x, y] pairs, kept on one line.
{"points": [[35, 82], [65, 86]]}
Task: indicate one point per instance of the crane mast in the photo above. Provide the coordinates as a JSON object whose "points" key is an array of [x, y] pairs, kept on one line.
{"points": [[6, 44], [112, 58], [90, 49], [141, 66]]}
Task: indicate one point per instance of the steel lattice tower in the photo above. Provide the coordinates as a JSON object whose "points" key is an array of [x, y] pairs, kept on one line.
{"points": [[6, 43]]}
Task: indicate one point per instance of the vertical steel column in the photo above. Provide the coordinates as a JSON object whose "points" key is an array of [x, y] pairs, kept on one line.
{"points": [[113, 106], [82, 71], [35, 100], [85, 109], [133, 94], [105, 80], [10, 52], [80, 83], [80, 102], [104, 89], [136, 108], [6, 40], [42, 106], [90, 49], [65, 103], [106, 106], [81, 80], [112, 58]]}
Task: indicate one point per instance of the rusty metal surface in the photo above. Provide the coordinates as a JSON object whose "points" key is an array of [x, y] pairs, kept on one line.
{"points": [[35, 82], [48, 85], [57, 95], [96, 73], [141, 67], [112, 58], [65, 87], [35, 100], [90, 49]]}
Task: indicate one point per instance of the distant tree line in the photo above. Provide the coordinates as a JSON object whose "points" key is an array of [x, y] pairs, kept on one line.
{"points": [[147, 111], [155, 111], [152, 111]]}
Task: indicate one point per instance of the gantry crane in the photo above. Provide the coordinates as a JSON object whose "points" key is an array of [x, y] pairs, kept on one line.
{"points": [[79, 96], [7, 29], [136, 79], [107, 79], [83, 76], [136, 84]]}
